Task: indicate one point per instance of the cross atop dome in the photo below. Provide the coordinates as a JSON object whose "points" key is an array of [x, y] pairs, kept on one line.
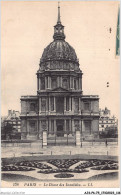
{"points": [[59, 21], [59, 28]]}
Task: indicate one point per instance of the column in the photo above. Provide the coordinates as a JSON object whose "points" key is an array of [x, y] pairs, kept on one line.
{"points": [[70, 103], [37, 123], [79, 83], [61, 81], [73, 82], [58, 81], [48, 79], [49, 126], [70, 126], [46, 104], [73, 128], [64, 104], [70, 82], [40, 105], [81, 126], [79, 106], [40, 129], [39, 83], [90, 127], [54, 126], [54, 104], [73, 105], [45, 82], [49, 105], [50, 82], [26, 127], [64, 126]]}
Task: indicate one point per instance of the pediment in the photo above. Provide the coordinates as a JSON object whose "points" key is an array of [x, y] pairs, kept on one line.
{"points": [[60, 89]]}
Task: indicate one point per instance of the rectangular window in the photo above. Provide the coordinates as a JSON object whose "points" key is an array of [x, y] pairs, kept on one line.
{"points": [[32, 107], [32, 127], [86, 106], [43, 104], [76, 104], [67, 103], [52, 103]]}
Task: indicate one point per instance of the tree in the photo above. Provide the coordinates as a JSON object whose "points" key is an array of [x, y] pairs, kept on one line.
{"points": [[7, 130]]}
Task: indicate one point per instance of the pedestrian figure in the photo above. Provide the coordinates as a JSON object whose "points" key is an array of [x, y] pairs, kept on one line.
{"points": [[106, 143]]}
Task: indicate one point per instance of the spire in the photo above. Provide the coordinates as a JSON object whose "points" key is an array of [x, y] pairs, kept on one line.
{"points": [[59, 28], [59, 21]]}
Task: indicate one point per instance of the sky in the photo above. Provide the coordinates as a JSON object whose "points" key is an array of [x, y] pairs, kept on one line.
{"points": [[27, 28]]}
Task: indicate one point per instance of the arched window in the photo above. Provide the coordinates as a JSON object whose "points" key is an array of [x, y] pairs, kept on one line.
{"points": [[65, 83], [42, 83], [75, 86], [54, 83]]}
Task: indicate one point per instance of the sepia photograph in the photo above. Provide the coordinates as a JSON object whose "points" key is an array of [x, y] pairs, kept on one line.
{"points": [[60, 98]]}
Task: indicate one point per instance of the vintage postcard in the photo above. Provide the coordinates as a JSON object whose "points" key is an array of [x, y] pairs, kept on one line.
{"points": [[60, 94]]}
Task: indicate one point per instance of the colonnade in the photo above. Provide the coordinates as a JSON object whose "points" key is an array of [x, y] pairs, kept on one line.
{"points": [[72, 107], [48, 82]]}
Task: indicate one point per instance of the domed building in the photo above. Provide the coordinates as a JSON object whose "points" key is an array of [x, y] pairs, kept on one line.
{"points": [[59, 113]]}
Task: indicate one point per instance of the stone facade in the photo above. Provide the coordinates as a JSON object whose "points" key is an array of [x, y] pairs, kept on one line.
{"points": [[106, 120], [59, 109]]}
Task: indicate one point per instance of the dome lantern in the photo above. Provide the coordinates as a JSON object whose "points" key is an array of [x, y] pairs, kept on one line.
{"points": [[59, 28]]}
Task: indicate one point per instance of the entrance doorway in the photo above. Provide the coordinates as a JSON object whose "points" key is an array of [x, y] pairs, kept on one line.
{"points": [[60, 132], [60, 128]]}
